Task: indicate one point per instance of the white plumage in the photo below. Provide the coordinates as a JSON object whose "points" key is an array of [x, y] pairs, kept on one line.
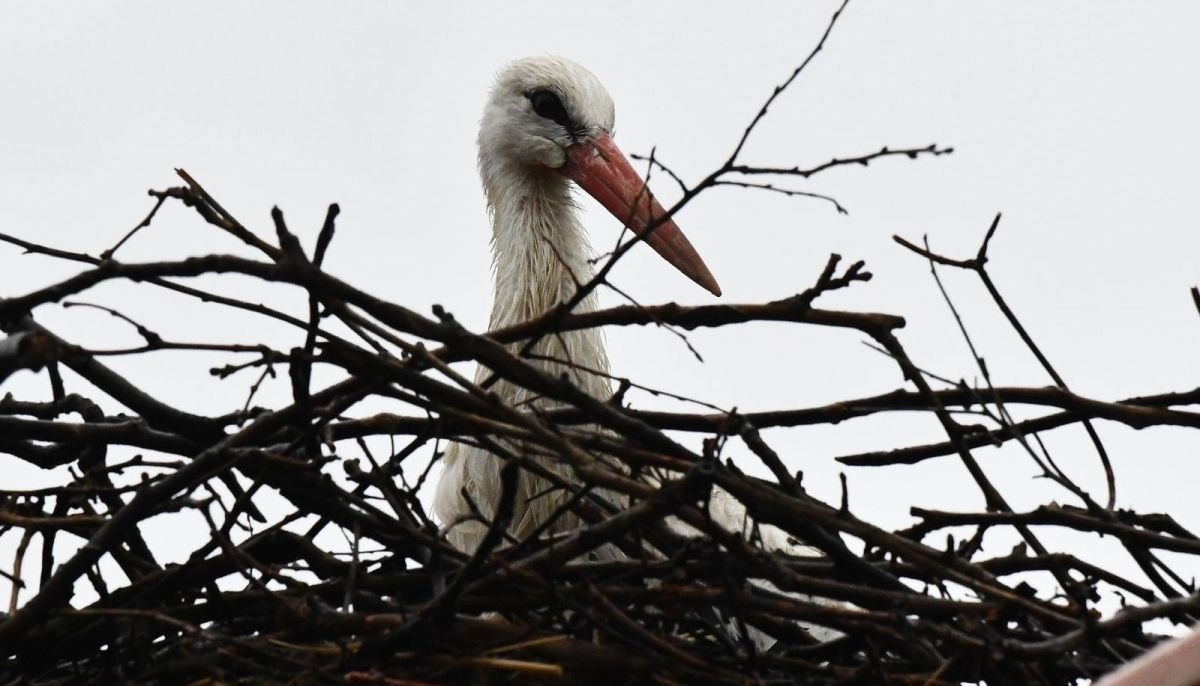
{"points": [[539, 250], [531, 148]]}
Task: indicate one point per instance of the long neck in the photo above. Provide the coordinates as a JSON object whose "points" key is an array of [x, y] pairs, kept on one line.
{"points": [[540, 254]]}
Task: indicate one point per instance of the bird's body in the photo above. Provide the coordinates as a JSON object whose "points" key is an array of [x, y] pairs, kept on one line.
{"points": [[548, 124], [540, 254], [539, 251]]}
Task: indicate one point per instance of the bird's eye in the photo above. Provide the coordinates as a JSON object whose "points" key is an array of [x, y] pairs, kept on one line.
{"points": [[547, 105]]}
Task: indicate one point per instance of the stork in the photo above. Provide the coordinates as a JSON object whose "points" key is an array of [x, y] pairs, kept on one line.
{"points": [[547, 125]]}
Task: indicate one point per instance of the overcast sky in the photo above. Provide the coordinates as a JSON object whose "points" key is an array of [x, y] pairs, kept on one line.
{"points": [[1076, 119]]}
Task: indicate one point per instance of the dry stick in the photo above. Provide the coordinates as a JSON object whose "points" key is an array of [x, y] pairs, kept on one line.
{"points": [[127, 432], [18, 562], [1134, 616], [815, 535], [199, 199], [978, 265], [215, 459], [300, 363], [953, 430], [1012, 564], [1139, 412], [158, 203], [860, 160], [789, 192], [381, 481], [1073, 590], [638, 632], [1003, 418], [1138, 418], [1050, 515], [762, 111]]}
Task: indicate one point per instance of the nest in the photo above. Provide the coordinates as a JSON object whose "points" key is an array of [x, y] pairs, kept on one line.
{"points": [[259, 600]]}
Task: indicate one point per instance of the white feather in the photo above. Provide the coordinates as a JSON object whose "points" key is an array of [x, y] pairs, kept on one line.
{"points": [[540, 255]]}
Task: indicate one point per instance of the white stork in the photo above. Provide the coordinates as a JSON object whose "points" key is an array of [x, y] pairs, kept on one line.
{"points": [[548, 122]]}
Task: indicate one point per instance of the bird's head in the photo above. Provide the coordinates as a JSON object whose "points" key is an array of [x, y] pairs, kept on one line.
{"points": [[548, 116]]}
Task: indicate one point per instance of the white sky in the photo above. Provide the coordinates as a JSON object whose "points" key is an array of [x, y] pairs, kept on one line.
{"points": [[1076, 119]]}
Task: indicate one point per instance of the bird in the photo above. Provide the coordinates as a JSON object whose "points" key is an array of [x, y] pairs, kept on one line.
{"points": [[547, 127]]}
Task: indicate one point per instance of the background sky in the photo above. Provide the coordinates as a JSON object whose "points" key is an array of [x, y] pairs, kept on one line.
{"points": [[1076, 119]]}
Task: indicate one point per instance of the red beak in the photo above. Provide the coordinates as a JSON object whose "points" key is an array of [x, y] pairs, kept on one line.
{"points": [[601, 169]]}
